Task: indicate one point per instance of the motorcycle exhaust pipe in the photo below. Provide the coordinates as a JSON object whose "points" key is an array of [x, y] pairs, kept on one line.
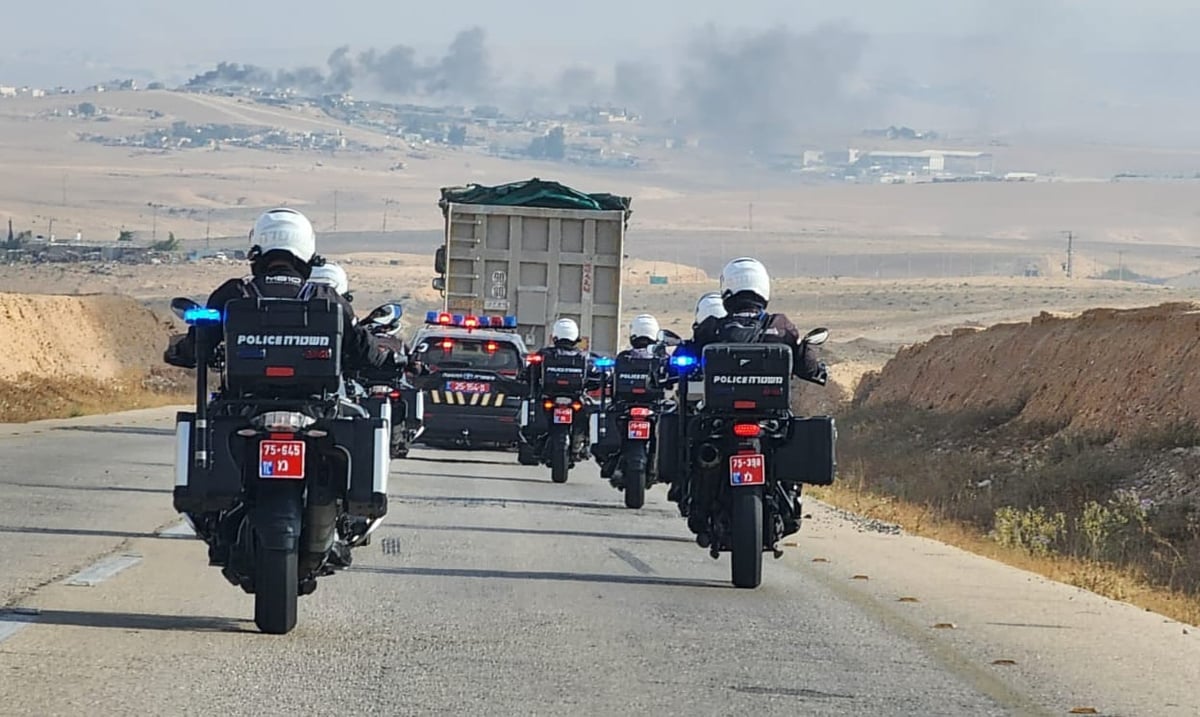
{"points": [[708, 456]]}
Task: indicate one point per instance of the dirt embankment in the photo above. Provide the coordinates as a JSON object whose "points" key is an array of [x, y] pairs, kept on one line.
{"points": [[69, 355], [1125, 372]]}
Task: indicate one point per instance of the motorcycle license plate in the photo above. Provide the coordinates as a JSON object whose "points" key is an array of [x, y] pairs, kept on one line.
{"points": [[747, 469], [639, 430], [468, 386], [564, 415], [281, 460]]}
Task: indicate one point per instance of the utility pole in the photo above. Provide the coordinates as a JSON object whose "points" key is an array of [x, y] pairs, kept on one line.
{"points": [[1070, 254], [208, 230], [387, 203], [1121, 264], [154, 225], [50, 229], [335, 208]]}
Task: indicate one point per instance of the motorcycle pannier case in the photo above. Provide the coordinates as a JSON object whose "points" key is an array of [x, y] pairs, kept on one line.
{"points": [[810, 455], [367, 442], [219, 486], [283, 347], [634, 380], [564, 375], [747, 377], [670, 446]]}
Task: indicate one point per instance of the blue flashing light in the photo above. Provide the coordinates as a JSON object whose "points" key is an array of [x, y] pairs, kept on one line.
{"points": [[458, 320], [683, 361], [202, 315], [431, 317], [605, 362], [510, 322]]}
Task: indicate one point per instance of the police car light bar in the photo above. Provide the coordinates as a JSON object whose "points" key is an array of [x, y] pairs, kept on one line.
{"points": [[201, 315], [462, 321]]}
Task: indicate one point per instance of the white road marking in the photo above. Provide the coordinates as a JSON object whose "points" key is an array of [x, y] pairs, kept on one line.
{"points": [[13, 622], [102, 570], [178, 531]]}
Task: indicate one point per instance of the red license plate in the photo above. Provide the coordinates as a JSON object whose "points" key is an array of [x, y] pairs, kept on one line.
{"points": [[747, 469], [468, 386], [281, 460], [564, 415], [639, 430]]}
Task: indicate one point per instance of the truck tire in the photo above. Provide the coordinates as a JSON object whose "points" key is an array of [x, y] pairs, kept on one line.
{"points": [[746, 547]]}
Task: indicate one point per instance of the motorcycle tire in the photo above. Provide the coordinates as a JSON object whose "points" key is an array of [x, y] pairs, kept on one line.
{"points": [[276, 592], [746, 548], [560, 458], [634, 474]]}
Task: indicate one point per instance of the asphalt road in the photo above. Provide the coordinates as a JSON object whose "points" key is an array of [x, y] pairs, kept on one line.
{"points": [[490, 590]]}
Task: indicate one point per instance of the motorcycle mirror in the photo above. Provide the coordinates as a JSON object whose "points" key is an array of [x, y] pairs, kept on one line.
{"points": [[182, 304], [816, 337], [439, 283]]}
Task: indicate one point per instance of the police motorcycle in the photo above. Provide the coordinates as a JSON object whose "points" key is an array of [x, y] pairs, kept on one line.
{"points": [[555, 417], [738, 451], [624, 429], [391, 387], [277, 463]]}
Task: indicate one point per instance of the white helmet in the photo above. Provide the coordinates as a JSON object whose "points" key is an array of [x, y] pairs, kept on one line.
{"points": [[287, 230], [331, 274], [710, 305], [643, 326], [565, 330], [745, 274]]}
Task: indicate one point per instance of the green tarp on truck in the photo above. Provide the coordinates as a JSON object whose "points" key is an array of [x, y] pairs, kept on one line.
{"points": [[533, 193]]}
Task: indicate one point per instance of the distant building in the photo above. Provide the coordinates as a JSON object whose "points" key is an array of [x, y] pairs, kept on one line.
{"points": [[929, 161]]}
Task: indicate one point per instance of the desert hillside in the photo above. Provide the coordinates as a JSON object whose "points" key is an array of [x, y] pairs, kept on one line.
{"points": [[1121, 371]]}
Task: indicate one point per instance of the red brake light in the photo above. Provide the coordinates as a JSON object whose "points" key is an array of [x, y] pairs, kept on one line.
{"points": [[282, 436], [745, 405], [280, 371], [447, 344], [394, 394], [492, 347], [640, 412], [318, 353], [534, 358], [746, 430]]}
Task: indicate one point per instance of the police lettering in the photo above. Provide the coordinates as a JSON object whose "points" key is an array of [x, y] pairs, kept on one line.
{"points": [[752, 380], [278, 340]]}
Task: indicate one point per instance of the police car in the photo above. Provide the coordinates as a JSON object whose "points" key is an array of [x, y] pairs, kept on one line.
{"points": [[472, 397]]}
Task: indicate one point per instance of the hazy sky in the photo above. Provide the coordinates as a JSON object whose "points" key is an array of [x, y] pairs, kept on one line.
{"points": [[1027, 63]]}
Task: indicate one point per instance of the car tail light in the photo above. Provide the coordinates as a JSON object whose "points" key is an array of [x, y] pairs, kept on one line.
{"points": [[507, 372], [534, 358], [447, 344], [746, 430], [491, 347], [639, 412]]}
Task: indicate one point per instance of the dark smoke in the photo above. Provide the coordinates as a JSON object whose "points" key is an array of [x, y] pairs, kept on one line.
{"points": [[766, 90], [464, 72], [760, 91]]}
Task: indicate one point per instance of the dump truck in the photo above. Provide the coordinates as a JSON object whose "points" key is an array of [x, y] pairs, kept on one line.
{"points": [[538, 251]]}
